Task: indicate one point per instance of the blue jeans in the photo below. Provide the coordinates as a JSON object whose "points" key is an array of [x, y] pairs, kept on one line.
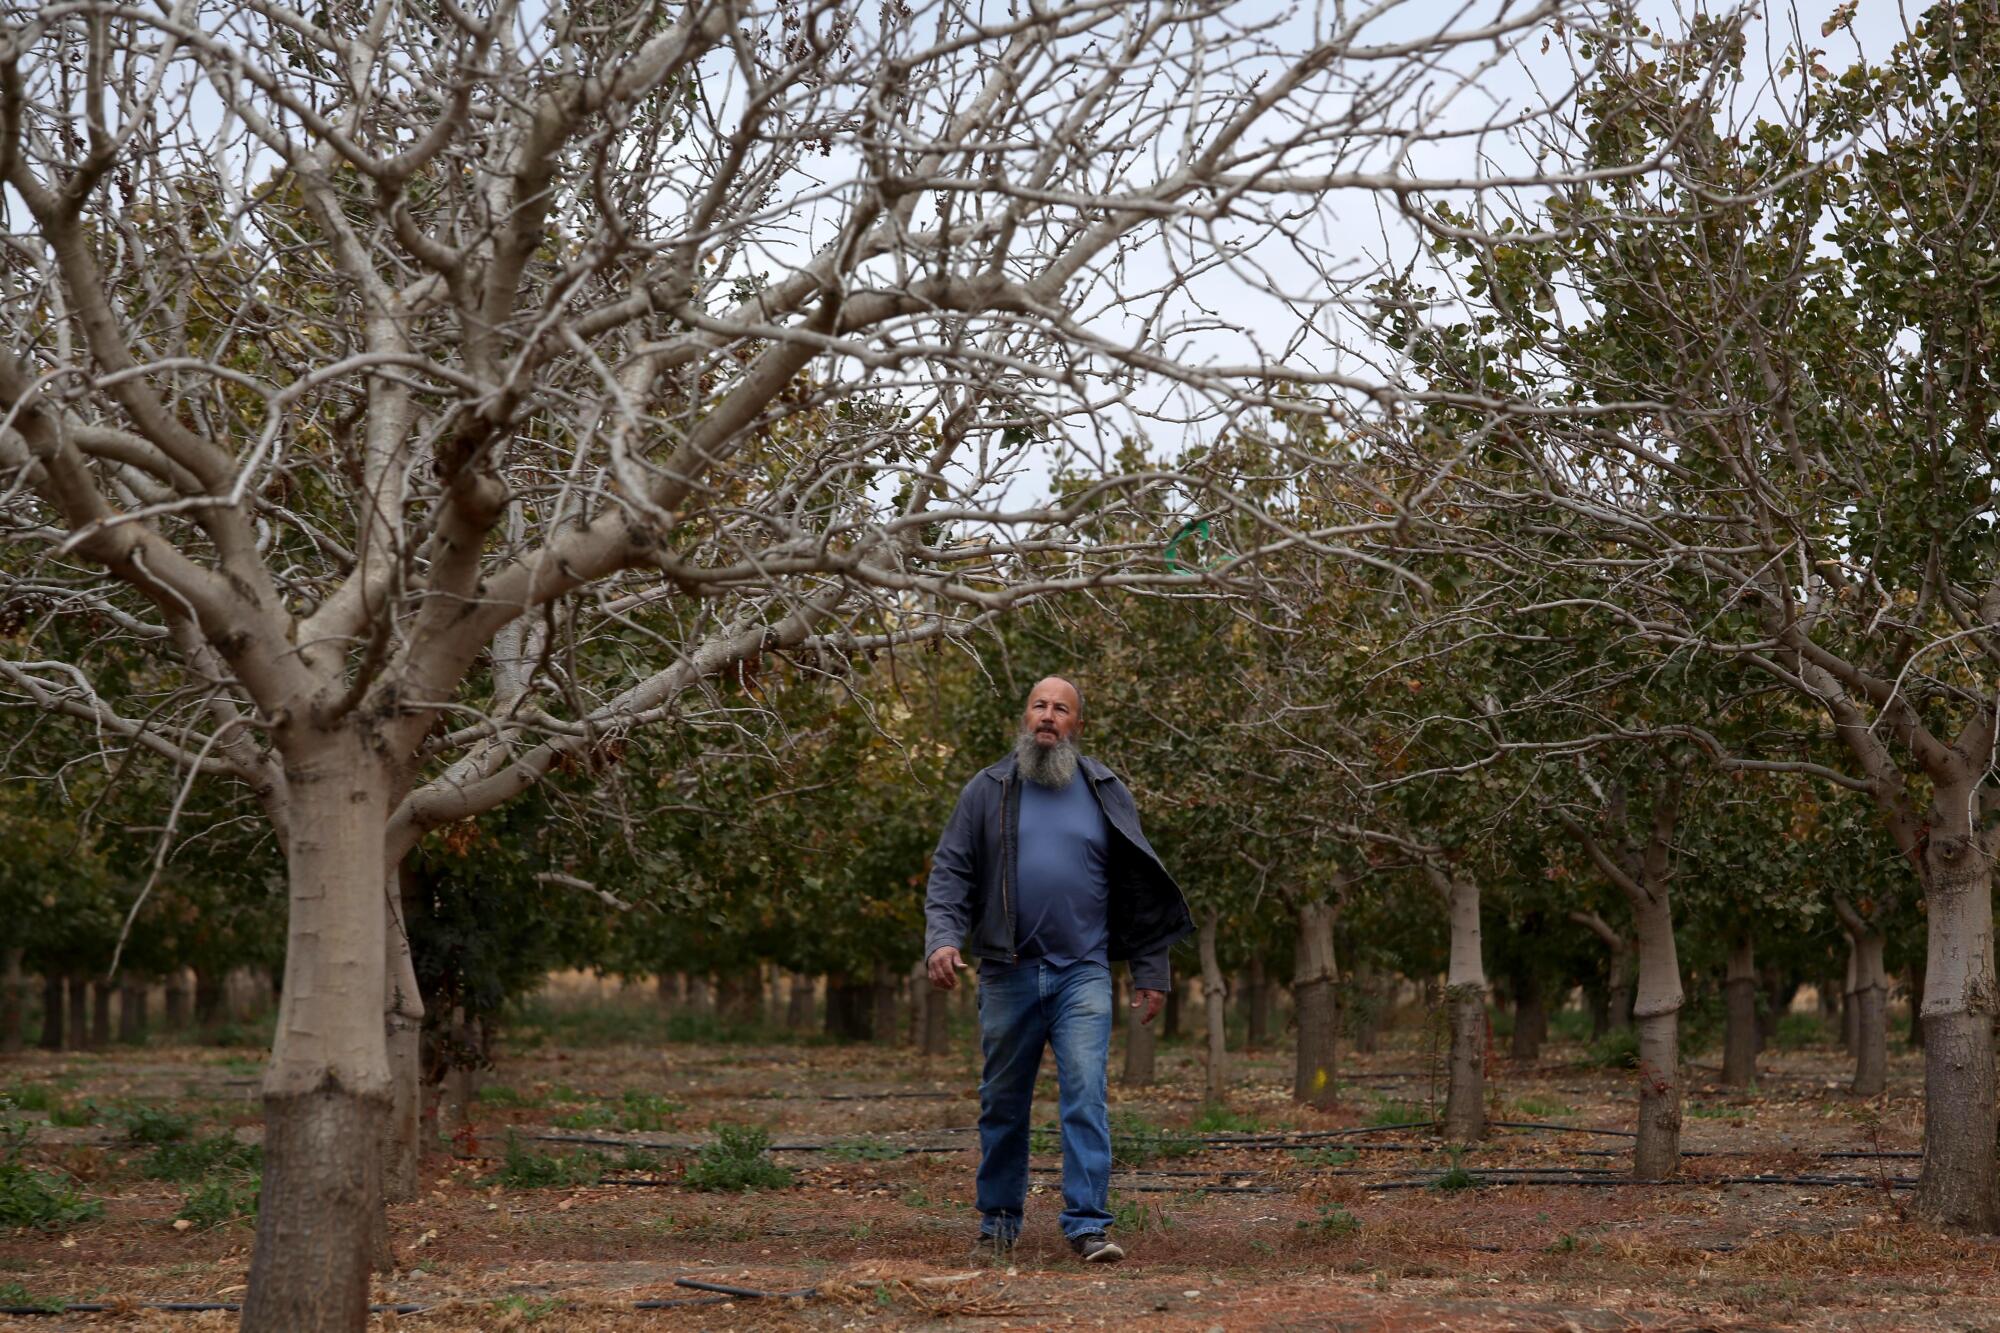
{"points": [[1022, 1009]]}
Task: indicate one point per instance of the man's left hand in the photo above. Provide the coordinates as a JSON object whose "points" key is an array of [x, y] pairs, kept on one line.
{"points": [[1152, 1001]]}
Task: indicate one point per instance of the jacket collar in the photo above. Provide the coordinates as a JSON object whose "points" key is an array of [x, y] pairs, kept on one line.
{"points": [[1007, 769]]}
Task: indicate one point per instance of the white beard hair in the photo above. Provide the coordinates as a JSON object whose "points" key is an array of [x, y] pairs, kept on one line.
{"points": [[1052, 767]]}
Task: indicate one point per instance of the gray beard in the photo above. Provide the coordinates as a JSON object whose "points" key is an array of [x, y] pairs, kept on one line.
{"points": [[1052, 767]]}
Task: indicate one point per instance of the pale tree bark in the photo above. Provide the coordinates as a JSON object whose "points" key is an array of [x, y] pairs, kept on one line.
{"points": [[1957, 1183], [1619, 986], [403, 1032], [1213, 998], [1315, 1004], [1142, 1044], [1256, 1005], [327, 1092], [1656, 1009], [1739, 1036], [1867, 1000], [1465, 1000], [1642, 871], [1850, 1012]]}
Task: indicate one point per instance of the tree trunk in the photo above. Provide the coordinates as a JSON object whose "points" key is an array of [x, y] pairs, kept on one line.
{"points": [[1739, 1035], [1369, 1000], [1597, 1001], [12, 1003], [799, 1005], [1531, 1017], [177, 1000], [211, 989], [937, 1016], [326, 1089], [1257, 1003], [1170, 1020], [739, 996], [1916, 984], [1850, 1011], [1871, 1016], [1619, 997], [1657, 1009], [1314, 979], [52, 1011], [1957, 1184], [403, 1036], [700, 995], [850, 1012], [100, 1013], [132, 998], [1142, 1046], [79, 1012], [882, 995], [1465, 993], [1213, 997]]}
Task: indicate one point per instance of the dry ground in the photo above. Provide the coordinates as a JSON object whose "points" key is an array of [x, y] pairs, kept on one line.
{"points": [[1293, 1240]]}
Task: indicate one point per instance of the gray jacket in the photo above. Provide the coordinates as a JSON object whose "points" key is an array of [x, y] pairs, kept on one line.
{"points": [[970, 902]]}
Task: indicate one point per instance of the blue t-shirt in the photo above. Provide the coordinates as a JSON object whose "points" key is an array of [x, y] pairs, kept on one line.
{"points": [[1062, 892]]}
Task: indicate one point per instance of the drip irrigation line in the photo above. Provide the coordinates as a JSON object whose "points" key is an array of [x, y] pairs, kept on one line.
{"points": [[1858, 1153], [697, 1147], [169, 1307], [1483, 1179], [1561, 1129], [718, 1294], [746, 1293]]}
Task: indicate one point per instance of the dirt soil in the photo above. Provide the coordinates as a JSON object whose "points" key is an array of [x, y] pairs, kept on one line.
{"points": [[1335, 1233]]}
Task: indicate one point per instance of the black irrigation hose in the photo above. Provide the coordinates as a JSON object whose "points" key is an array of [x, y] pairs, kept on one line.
{"points": [[171, 1307], [1561, 1129], [720, 1294], [747, 1293], [1481, 1180], [697, 1147]]}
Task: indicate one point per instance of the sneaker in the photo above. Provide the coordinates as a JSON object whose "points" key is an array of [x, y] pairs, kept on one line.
{"points": [[993, 1247], [1094, 1247]]}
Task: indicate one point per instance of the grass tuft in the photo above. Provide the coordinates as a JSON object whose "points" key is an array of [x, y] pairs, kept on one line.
{"points": [[522, 1168], [197, 1159], [1332, 1223], [736, 1162], [221, 1200]]}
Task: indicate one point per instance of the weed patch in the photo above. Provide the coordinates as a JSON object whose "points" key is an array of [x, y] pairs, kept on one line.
{"points": [[524, 1169], [1332, 1223], [1218, 1119], [736, 1162], [864, 1150], [197, 1159], [152, 1124], [221, 1200]]}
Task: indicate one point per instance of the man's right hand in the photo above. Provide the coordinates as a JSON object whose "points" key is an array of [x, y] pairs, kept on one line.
{"points": [[944, 967]]}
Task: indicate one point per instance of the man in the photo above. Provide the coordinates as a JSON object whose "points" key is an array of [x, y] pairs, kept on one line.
{"points": [[1044, 877]]}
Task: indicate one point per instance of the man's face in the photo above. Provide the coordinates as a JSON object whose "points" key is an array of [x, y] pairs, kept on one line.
{"points": [[1052, 715]]}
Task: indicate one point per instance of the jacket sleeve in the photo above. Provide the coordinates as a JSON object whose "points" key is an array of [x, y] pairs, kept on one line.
{"points": [[1153, 971], [954, 876]]}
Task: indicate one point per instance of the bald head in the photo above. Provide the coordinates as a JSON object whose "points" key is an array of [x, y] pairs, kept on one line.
{"points": [[1055, 711]]}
